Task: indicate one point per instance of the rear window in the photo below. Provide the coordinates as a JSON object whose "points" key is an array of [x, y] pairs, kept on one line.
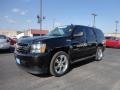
{"points": [[2, 37]]}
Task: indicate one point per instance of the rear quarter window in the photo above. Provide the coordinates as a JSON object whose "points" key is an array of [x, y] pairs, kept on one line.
{"points": [[99, 35], [90, 35]]}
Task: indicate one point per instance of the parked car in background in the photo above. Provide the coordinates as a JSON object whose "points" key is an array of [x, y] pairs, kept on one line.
{"points": [[12, 41], [14, 38], [4, 42], [60, 48], [112, 41], [24, 37]]}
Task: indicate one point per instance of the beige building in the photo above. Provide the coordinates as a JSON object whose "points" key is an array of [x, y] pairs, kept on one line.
{"points": [[112, 34], [35, 32], [8, 32]]}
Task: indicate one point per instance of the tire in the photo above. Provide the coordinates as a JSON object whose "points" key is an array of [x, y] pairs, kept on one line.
{"points": [[9, 50], [99, 54], [59, 64]]}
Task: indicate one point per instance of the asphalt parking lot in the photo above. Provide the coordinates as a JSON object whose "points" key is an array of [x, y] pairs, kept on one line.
{"points": [[85, 75]]}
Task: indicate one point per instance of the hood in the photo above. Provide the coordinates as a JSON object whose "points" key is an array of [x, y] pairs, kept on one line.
{"points": [[31, 40]]}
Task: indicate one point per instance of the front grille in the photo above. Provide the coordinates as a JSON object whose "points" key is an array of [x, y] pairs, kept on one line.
{"points": [[23, 44], [23, 48]]}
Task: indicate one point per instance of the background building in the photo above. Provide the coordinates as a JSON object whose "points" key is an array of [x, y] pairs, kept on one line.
{"points": [[35, 32], [18, 34], [8, 32], [113, 34]]}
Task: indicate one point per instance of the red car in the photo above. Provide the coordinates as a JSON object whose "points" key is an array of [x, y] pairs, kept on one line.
{"points": [[112, 41], [12, 41]]}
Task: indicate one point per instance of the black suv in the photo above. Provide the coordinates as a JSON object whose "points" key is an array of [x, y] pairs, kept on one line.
{"points": [[60, 48]]}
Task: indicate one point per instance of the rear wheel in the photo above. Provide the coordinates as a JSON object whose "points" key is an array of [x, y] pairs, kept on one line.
{"points": [[99, 54], [59, 64]]}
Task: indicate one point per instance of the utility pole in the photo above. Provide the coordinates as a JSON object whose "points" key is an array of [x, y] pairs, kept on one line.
{"points": [[94, 18], [116, 30], [40, 17], [41, 14], [54, 20]]}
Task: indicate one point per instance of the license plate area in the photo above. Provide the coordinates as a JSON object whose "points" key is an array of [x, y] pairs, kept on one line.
{"points": [[17, 60]]}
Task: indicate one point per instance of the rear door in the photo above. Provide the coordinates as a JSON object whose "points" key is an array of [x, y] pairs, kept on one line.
{"points": [[91, 42]]}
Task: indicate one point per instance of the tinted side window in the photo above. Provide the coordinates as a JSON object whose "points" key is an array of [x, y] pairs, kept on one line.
{"points": [[78, 30], [90, 35]]}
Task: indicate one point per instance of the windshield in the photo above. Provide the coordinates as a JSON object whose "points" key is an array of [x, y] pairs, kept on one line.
{"points": [[61, 31], [2, 37], [112, 38], [108, 37], [25, 36], [117, 38]]}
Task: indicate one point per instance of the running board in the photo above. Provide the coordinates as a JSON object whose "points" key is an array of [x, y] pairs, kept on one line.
{"points": [[82, 59]]}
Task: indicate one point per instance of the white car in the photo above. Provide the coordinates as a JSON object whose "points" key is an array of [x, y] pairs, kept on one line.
{"points": [[4, 42]]}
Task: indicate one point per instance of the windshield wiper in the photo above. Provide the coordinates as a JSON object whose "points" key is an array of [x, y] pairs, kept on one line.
{"points": [[56, 34]]}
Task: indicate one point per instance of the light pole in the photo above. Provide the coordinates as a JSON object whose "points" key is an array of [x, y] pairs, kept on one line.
{"points": [[40, 17], [54, 20], [116, 30], [94, 15], [41, 14]]}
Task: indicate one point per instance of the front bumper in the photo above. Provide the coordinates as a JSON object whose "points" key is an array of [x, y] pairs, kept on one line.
{"points": [[33, 63]]}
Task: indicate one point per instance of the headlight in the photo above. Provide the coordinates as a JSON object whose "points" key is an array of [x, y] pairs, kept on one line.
{"points": [[38, 48]]}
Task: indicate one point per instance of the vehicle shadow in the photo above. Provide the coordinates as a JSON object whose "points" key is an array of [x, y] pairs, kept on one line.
{"points": [[73, 66], [81, 63], [113, 47], [46, 75], [11, 50]]}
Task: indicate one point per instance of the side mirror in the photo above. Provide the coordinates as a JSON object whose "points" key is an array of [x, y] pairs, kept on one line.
{"points": [[78, 34]]}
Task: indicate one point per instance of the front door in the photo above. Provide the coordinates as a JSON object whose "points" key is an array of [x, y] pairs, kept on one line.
{"points": [[78, 43]]}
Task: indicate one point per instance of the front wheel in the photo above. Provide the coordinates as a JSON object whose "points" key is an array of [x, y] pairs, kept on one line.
{"points": [[59, 64], [99, 54]]}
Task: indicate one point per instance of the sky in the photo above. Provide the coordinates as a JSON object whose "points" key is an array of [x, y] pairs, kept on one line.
{"points": [[22, 14]]}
